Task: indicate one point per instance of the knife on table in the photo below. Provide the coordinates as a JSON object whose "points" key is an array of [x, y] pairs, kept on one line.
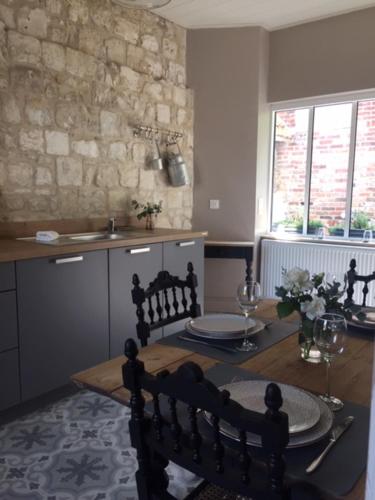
{"points": [[336, 433], [214, 346]]}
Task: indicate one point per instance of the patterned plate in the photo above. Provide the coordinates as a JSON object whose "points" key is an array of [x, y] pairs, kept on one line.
{"points": [[259, 326], [301, 407], [223, 323], [368, 323], [310, 436]]}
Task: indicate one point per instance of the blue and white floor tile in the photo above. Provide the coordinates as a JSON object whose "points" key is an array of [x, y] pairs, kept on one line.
{"points": [[76, 449]]}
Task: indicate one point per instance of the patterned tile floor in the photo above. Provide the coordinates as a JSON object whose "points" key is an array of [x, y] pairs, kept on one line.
{"points": [[75, 449]]}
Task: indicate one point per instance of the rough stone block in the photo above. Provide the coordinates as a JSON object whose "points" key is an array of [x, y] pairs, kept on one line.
{"points": [[150, 43], [176, 73], [107, 177], [118, 200], [109, 124], [116, 50], [86, 148], [139, 152], [38, 112], [69, 172], [146, 179], [170, 49], [80, 64], [7, 16], [92, 201], [32, 140], [20, 175], [32, 22], [131, 79], [179, 96], [91, 42], [129, 177], [79, 11], [54, 7], [53, 56], [24, 49], [181, 117], [43, 176], [57, 143], [10, 110], [154, 90], [163, 113], [126, 29], [117, 151]]}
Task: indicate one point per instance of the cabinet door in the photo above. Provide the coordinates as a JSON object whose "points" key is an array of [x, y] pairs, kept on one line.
{"points": [[63, 318], [7, 276], [177, 254], [8, 321], [146, 261], [9, 379]]}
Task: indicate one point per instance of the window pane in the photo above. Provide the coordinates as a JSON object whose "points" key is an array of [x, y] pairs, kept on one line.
{"points": [[363, 200], [289, 171], [329, 169]]}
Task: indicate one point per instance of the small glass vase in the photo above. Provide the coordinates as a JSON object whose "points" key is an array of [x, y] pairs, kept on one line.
{"points": [[309, 351], [150, 222]]}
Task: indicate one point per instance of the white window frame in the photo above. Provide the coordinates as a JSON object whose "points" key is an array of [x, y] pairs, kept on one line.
{"points": [[311, 104]]}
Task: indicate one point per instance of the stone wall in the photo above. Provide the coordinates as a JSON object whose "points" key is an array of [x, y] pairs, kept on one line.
{"points": [[75, 77]]}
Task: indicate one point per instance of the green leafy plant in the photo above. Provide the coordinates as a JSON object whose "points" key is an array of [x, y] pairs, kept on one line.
{"points": [[335, 229], [361, 220], [315, 224], [147, 209]]}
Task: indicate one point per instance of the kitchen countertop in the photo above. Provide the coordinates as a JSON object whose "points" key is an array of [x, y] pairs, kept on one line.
{"points": [[13, 249]]}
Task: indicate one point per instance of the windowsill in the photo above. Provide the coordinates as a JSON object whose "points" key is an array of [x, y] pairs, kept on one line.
{"points": [[313, 239]]}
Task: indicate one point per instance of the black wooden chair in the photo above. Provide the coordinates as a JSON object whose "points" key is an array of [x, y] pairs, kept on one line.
{"points": [[167, 301], [165, 436], [353, 278]]}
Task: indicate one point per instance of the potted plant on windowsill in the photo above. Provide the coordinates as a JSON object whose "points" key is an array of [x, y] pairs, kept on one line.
{"points": [[149, 211]]}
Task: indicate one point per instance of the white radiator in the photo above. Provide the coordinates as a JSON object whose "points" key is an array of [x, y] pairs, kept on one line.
{"points": [[317, 258]]}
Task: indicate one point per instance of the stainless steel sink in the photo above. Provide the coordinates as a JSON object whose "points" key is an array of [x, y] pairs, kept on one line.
{"points": [[98, 237], [71, 239]]}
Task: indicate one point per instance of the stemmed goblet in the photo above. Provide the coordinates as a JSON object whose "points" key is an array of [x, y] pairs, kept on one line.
{"points": [[330, 338], [248, 296]]}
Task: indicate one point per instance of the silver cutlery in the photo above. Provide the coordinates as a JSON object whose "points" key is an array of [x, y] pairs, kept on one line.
{"points": [[214, 346], [336, 433]]}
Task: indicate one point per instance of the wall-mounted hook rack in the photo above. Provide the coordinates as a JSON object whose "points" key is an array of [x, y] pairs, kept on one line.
{"points": [[154, 133]]}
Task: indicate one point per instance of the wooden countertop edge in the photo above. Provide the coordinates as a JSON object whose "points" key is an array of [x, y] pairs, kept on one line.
{"points": [[12, 249]]}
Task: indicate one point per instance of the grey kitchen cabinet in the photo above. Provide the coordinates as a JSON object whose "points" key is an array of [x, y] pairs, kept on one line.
{"points": [[176, 256], [146, 261], [63, 318], [8, 321], [9, 379], [7, 276]]}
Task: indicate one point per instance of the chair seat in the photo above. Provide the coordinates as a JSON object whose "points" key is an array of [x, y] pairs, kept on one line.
{"points": [[209, 491]]}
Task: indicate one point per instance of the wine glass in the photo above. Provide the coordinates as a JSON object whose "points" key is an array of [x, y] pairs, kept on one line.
{"points": [[248, 296], [367, 236], [330, 339]]}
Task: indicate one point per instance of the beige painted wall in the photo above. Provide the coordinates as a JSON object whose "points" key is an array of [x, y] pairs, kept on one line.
{"points": [[323, 57], [227, 69]]}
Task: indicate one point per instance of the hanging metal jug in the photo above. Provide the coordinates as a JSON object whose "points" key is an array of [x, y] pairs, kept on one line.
{"points": [[177, 169], [156, 161]]}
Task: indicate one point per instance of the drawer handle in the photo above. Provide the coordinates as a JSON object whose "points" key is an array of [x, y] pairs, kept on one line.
{"points": [[134, 251], [185, 243], [69, 260]]}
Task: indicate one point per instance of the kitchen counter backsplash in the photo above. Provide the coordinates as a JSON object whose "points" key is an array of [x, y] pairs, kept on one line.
{"points": [[75, 78]]}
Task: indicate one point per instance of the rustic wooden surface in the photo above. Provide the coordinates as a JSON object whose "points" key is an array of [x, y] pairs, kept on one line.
{"points": [[12, 249], [351, 372]]}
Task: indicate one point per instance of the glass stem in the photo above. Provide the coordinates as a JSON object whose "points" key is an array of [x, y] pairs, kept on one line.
{"points": [[246, 340], [328, 366]]}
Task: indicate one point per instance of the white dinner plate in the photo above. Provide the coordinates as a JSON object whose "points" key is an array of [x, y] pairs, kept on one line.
{"points": [[368, 323], [258, 327], [308, 437], [302, 409], [221, 322]]}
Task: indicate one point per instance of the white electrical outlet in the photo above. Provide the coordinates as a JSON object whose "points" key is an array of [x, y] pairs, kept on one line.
{"points": [[214, 204]]}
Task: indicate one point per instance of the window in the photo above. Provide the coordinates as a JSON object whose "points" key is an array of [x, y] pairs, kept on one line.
{"points": [[324, 169]]}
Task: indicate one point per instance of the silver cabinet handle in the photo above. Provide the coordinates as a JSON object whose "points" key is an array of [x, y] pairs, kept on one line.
{"points": [[139, 250], [69, 260], [185, 243]]}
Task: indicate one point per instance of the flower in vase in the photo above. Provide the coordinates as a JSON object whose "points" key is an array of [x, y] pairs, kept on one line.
{"points": [[297, 280], [314, 307]]}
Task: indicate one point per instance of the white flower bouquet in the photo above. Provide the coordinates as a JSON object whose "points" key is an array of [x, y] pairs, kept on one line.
{"points": [[310, 296]]}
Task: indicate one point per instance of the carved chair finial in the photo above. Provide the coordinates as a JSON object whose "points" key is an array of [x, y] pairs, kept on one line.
{"points": [[131, 349], [273, 398]]}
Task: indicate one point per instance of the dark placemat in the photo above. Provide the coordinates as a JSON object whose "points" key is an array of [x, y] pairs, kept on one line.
{"points": [[272, 334], [344, 464]]}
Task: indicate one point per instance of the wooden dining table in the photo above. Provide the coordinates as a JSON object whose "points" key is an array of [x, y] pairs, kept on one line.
{"points": [[351, 373]]}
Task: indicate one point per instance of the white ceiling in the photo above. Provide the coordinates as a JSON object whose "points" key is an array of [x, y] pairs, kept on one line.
{"points": [[271, 14]]}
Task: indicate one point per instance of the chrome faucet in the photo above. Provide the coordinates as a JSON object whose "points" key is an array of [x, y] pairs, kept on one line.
{"points": [[111, 225]]}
